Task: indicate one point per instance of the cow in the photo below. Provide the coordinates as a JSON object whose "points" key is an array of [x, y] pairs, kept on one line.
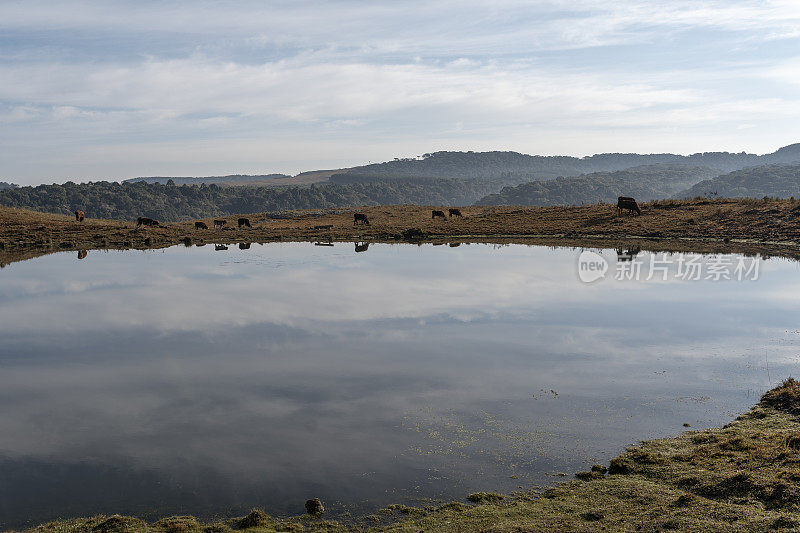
{"points": [[362, 247], [436, 213], [454, 212], [628, 203], [79, 216], [144, 221], [82, 254], [360, 217], [244, 222], [200, 225], [244, 245], [219, 223], [220, 247]]}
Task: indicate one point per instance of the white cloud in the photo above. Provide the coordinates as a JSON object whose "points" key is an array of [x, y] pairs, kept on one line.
{"points": [[544, 76]]}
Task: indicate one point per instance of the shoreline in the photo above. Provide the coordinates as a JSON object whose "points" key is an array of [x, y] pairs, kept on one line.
{"points": [[750, 227], [739, 477]]}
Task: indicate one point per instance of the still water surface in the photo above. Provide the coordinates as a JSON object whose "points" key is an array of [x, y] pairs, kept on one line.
{"points": [[196, 381]]}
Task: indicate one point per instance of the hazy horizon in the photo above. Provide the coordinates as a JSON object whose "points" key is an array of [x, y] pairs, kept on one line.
{"points": [[115, 90]]}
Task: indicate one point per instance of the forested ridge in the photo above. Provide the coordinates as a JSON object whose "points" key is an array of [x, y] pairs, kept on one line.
{"points": [[517, 168], [650, 182], [182, 202], [781, 181]]}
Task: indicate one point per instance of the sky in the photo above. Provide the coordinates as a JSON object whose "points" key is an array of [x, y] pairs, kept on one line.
{"points": [[112, 89]]}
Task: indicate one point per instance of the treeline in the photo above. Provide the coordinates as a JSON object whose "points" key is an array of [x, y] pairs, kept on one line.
{"points": [[182, 202], [644, 183], [780, 181]]}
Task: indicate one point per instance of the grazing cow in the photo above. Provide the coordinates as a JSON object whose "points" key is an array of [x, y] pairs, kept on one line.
{"points": [[360, 217], [220, 223], [79, 216], [82, 254], [244, 222], [200, 225], [219, 247], [455, 212], [362, 247], [244, 245], [144, 221], [628, 203], [436, 213]]}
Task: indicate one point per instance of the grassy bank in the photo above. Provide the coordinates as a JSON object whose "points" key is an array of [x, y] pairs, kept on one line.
{"points": [[769, 227], [741, 477]]}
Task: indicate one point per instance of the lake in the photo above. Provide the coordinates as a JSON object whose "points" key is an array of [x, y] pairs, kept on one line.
{"points": [[208, 382]]}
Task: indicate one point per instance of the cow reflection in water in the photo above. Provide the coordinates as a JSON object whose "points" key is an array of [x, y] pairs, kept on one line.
{"points": [[82, 254], [244, 245], [361, 246], [627, 255], [220, 247]]}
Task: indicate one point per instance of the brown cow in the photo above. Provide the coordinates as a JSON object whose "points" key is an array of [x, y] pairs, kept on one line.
{"points": [[200, 225], [360, 217], [436, 213], [626, 202], [79, 216], [454, 212], [82, 254], [244, 222], [219, 223], [144, 221]]}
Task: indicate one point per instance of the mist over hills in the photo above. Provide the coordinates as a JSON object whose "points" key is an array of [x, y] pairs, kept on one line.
{"points": [[233, 179], [782, 181], [648, 182]]}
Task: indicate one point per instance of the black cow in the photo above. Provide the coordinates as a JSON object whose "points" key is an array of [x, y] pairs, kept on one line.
{"points": [[244, 222], [436, 213], [144, 221], [200, 225], [220, 247], [220, 223], [362, 247], [244, 245], [454, 212], [628, 203], [360, 217]]}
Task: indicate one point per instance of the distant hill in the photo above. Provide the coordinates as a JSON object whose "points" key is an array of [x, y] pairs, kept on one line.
{"points": [[509, 166], [515, 168], [649, 182], [4, 185], [782, 181], [233, 179]]}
